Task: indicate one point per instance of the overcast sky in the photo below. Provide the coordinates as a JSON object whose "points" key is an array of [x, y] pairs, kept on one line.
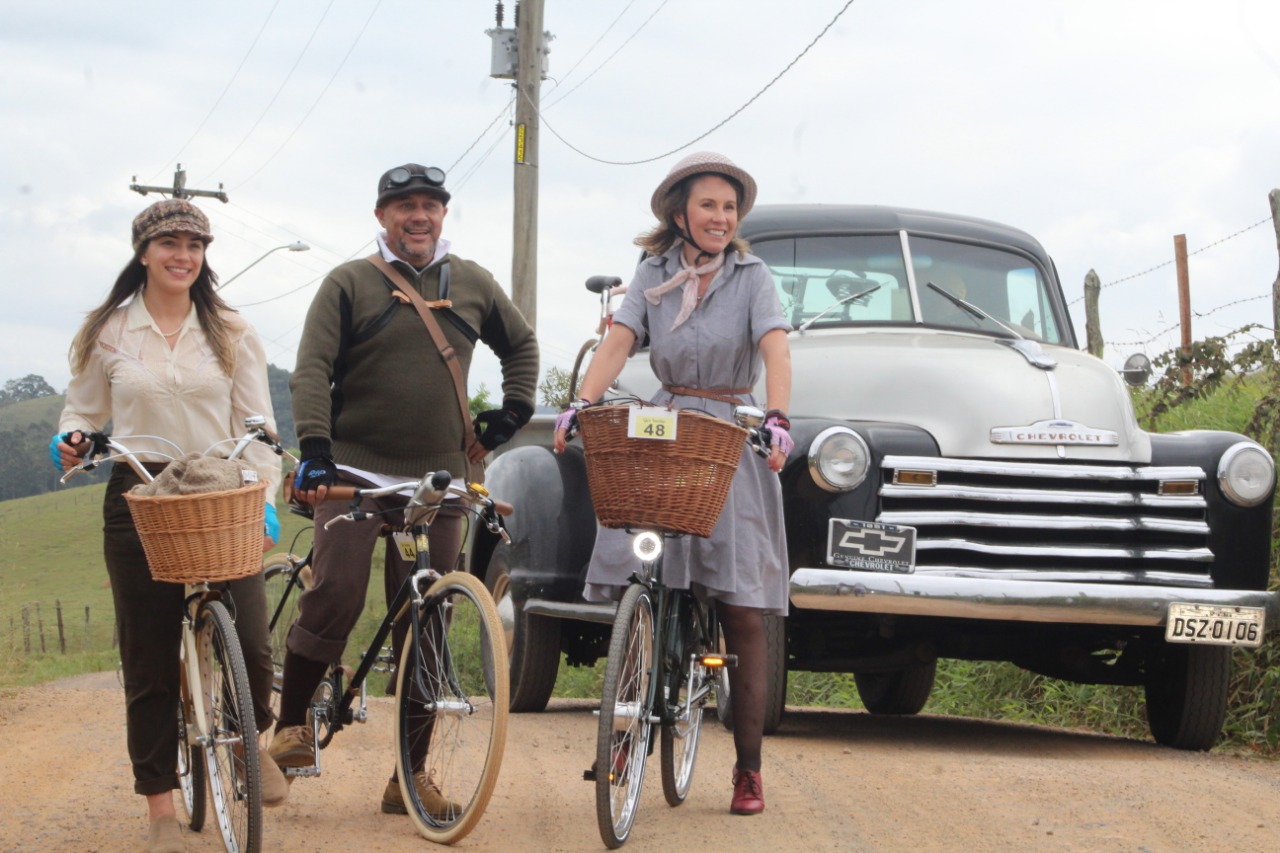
{"points": [[1102, 127]]}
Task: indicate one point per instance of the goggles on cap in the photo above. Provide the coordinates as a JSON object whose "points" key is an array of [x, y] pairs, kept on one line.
{"points": [[401, 176]]}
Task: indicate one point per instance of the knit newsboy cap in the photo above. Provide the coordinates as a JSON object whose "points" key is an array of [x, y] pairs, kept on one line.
{"points": [[170, 216]]}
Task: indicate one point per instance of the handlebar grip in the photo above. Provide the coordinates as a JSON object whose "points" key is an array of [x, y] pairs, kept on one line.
{"points": [[341, 493], [503, 508]]}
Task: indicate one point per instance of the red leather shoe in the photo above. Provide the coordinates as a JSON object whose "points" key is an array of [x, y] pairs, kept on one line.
{"points": [[748, 792]]}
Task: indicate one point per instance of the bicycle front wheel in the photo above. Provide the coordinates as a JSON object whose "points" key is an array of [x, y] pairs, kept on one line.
{"points": [[285, 576], [695, 684], [235, 780], [451, 708], [626, 708]]}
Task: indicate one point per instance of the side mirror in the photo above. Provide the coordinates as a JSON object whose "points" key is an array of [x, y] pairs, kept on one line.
{"points": [[1136, 370]]}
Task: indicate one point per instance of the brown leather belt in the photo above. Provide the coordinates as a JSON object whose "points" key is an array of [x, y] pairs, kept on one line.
{"points": [[721, 395]]}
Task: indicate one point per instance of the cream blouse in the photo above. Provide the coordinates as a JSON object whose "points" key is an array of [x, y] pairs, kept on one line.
{"points": [[134, 380]]}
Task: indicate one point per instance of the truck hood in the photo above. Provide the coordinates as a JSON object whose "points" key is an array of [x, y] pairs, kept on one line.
{"points": [[962, 387], [976, 395]]}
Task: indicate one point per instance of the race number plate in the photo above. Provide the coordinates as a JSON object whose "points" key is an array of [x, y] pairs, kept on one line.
{"points": [[1215, 625], [872, 546], [651, 422]]}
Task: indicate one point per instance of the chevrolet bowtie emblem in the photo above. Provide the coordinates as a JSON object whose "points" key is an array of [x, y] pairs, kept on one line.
{"points": [[872, 543]]}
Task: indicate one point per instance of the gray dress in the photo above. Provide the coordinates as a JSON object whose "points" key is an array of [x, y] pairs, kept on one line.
{"points": [[744, 561]]}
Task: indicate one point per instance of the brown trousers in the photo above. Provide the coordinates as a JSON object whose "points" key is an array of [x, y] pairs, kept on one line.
{"points": [[149, 623]]}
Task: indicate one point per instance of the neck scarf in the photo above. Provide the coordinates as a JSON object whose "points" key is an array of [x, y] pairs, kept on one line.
{"points": [[688, 276]]}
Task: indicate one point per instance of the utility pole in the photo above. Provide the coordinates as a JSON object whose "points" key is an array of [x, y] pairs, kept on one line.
{"points": [[530, 52], [179, 188]]}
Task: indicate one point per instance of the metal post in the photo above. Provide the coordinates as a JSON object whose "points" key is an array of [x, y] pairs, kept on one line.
{"points": [[524, 249]]}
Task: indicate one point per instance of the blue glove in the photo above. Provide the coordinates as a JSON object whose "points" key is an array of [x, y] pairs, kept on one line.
{"points": [[271, 524], [54, 453], [315, 472]]}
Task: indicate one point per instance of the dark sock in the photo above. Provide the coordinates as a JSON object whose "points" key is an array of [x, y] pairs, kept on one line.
{"points": [[301, 678]]}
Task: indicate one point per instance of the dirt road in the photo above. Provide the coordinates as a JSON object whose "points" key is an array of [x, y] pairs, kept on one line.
{"points": [[833, 781]]}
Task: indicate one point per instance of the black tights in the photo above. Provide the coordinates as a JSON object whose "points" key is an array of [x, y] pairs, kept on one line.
{"points": [[744, 636]]}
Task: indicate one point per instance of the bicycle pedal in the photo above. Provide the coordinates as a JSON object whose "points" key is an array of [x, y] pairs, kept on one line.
{"points": [[589, 775]]}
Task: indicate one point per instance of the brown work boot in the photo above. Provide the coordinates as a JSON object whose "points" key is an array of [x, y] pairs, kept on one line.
{"points": [[438, 807], [275, 788], [294, 746], [165, 836]]}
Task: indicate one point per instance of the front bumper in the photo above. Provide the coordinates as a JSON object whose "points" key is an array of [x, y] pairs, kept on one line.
{"points": [[1066, 602]]}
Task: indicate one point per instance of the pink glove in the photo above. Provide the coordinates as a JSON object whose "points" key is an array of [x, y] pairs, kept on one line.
{"points": [[777, 424], [568, 419]]}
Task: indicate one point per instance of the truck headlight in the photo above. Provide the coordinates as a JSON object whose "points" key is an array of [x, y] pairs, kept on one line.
{"points": [[1246, 474], [838, 459]]}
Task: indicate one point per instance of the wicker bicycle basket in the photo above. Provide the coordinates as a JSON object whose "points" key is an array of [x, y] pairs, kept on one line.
{"points": [[200, 538], [678, 486]]}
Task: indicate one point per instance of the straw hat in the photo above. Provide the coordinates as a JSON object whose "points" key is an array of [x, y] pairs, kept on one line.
{"points": [[701, 163]]}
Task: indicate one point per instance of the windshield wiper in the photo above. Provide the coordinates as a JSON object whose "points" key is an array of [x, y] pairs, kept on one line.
{"points": [[972, 309], [844, 300]]}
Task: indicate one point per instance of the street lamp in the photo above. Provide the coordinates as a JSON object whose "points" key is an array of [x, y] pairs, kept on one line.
{"points": [[296, 246]]}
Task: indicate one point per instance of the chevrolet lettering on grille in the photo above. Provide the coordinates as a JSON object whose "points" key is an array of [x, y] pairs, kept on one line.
{"points": [[1054, 432]]}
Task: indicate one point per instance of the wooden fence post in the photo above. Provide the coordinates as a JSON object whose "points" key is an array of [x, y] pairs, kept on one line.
{"points": [[62, 638], [88, 636], [40, 628], [1274, 198], [26, 630], [1092, 325], [1184, 299]]}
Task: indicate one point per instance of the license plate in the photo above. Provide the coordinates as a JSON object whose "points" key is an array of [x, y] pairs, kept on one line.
{"points": [[1215, 625], [870, 545]]}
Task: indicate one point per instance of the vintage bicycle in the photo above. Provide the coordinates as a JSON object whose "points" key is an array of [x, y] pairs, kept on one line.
{"points": [[201, 540], [658, 474], [451, 686]]}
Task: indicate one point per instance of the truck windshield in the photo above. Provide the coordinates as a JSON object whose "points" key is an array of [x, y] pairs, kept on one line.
{"points": [[815, 277]]}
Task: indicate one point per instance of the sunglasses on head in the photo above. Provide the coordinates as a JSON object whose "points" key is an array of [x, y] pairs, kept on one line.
{"points": [[401, 176]]}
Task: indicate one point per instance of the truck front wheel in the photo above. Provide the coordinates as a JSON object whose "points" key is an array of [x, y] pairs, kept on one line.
{"points": [[533, 642], [1186, 691], [900, 691]]}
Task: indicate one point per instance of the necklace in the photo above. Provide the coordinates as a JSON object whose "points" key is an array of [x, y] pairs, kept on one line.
{"points": [[168, 334]]}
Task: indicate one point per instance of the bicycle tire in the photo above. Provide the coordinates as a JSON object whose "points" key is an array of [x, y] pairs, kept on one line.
{"points": [[235, 780], [192, 772], [452, 692], [577, 373], [278, 571], [680, 736], [626, 704]]}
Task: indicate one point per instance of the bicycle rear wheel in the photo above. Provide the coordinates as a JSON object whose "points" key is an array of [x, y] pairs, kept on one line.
{"points": [[451, 708], [192, 776], [235, 780], [626, 707], [696, 683]]}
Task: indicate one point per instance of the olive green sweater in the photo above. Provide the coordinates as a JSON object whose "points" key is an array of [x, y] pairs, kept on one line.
{"points": [[370, 380]]}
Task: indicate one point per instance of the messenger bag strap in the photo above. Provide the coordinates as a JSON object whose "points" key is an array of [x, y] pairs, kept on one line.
{"points": [[437, 335]]}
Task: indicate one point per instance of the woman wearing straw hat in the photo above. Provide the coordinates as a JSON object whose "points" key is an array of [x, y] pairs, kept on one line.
{"points": [[712, 316], [163, 355]]}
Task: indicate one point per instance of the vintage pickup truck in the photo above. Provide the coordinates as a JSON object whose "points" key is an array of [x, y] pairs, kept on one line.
{"points": [[966, 483]]}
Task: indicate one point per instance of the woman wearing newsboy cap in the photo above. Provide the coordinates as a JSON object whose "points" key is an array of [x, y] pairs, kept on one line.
{"points": [[163, 355], [714, 322]]}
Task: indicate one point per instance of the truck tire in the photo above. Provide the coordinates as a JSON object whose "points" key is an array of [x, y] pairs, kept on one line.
{"points": [[900, 692], [533, 642], [1186, 692], [775, 679]]}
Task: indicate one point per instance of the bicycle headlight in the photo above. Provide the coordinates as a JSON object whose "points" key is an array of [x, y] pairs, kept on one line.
{"points": [[1246, 474], [838, 459]]}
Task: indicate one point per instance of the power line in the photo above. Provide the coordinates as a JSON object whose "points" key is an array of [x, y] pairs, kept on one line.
{"points": [[283, 83], [496, 118], [225, 89], [702, 136], [319, 97], [608, 58]]}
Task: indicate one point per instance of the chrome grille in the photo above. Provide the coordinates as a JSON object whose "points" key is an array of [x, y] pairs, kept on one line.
{"points": [[1033, 520]]}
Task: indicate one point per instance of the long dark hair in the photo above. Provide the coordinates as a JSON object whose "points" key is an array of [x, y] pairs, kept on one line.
{"points": [[213, 313], [676, 202]]}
